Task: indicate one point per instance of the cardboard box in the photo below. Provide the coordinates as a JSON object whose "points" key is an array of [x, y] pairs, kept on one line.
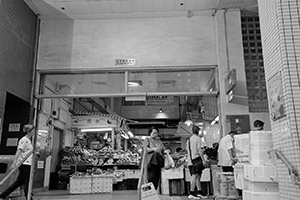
{"points": [[81, 185], [225, 184], [261, 186], [174, 173], [260, 173], [238, 173], [251, 195]]}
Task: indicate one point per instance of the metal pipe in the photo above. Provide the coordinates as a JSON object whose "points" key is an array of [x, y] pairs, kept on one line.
{"points": [[292, 171], [122, 69], [49, 96], [34, 105]]}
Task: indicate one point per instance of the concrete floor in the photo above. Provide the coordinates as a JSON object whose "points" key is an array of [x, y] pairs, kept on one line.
{"points": [[115, 195]]}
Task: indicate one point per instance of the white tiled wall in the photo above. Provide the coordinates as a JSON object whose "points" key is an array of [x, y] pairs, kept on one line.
{"points": [[280, 31]]}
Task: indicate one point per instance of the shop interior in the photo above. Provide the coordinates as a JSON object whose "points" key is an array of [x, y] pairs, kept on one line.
{"points": [[107, 132]]}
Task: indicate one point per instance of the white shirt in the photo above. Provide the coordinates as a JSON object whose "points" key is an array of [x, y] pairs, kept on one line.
{"points": [[196, 147], [225, 144], [25, 146]]}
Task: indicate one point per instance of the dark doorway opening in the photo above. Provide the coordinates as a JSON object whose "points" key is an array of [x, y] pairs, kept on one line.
{"points": [[16, 115]]}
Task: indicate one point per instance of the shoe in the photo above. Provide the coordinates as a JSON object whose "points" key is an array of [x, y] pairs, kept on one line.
{"points": [[191, 196], [201, 195]]}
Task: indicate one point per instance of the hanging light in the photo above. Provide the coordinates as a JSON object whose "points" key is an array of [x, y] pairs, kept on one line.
{"points": [[161, 111], [188, 122]]}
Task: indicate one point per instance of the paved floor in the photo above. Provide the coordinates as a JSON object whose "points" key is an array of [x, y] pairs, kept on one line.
{"points": [[115, 195]]}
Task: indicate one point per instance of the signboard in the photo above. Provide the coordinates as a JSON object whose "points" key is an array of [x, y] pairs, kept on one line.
{"points": [[230, 81], [126, 61], [93, 121], [14, 127], [276, 97], [12, 142], [161, 100]]}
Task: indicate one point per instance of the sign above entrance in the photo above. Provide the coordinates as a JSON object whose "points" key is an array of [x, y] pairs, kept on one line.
{"points": [[128, 61], [93, 121]]}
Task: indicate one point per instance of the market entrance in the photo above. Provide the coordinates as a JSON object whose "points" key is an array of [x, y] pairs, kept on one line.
{"points": [[106, 116]]}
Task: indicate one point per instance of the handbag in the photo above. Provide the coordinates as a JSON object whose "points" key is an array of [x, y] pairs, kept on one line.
{"points": [[157, 158], [198, 166]]}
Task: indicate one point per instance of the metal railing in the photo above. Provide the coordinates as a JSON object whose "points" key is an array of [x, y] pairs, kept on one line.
{"points": [[292, 171]]}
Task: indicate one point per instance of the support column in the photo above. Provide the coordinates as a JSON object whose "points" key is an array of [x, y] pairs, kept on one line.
{"points": [[279, 20], [230, 56]]}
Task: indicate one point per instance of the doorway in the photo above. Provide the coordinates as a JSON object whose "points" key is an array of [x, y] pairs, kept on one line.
{"points": [[55, 158], [16, 115]]}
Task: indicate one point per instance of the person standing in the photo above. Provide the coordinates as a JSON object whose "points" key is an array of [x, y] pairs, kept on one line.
{"points": [[24, 147], [194, 147], [226, 153], [154, 160]]}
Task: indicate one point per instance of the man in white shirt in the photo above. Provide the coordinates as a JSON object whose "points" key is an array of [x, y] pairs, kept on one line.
{"points": [[226, 153]]}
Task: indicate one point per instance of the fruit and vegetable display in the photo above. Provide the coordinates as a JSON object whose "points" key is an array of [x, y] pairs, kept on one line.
{"points": [[102, 157], [212, 152]]}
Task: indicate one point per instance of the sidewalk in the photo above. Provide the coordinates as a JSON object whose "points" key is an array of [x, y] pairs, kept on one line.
{"points": [[115, 195]]}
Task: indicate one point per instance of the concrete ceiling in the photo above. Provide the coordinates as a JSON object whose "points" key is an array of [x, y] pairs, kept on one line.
{"points": [[107, 9]]}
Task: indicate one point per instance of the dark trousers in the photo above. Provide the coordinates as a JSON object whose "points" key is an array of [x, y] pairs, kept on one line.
{"points": [[23, 179], [154, 174]]}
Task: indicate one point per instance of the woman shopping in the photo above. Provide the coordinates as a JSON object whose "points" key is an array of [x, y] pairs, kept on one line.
{"points": [[154, 157], [24, 147]]}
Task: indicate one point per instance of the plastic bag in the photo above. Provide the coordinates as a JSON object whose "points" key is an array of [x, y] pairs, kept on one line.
{"points": [[169, 162], [148, 192]]}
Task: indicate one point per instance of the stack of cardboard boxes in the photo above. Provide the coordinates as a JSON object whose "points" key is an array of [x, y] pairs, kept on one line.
{"points": [[260, 178]]}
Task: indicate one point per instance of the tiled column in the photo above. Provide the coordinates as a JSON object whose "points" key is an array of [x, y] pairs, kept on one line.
{"points": [[279, 20]]}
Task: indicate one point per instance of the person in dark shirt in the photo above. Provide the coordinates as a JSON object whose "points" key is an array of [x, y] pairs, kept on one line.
{"points": [[258, 125]]}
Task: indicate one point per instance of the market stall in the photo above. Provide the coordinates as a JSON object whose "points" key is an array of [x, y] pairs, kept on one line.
{"points": [[104, 157]]}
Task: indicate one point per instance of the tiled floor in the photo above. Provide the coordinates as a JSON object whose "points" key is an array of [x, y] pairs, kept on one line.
{"points": [[115, 195]]}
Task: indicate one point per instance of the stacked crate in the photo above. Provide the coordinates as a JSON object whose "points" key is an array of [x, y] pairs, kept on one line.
{"points": [[101, 184], [91, 184], [172, 181], [260, 175], [242, 147]]}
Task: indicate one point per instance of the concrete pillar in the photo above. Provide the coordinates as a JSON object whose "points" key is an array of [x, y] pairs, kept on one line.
{"points": [[229, 51], [279, 21]]}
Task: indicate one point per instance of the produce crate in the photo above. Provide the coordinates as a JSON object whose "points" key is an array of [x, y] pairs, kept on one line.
{"points": [[239, 180], [225, 184], [261, 186], [81, 185], [102, 184], [133, 174], [260, 173], [174, 173]]}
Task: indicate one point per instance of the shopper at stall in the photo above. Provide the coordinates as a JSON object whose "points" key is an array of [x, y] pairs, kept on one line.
{"points": [[154, 160], [226, 152], [194, 148], [258, 125], [24, 147]]}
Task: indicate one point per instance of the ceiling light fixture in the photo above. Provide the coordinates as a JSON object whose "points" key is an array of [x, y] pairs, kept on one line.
{"points": [[96, 129], [135, 83], [161, 111]]}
